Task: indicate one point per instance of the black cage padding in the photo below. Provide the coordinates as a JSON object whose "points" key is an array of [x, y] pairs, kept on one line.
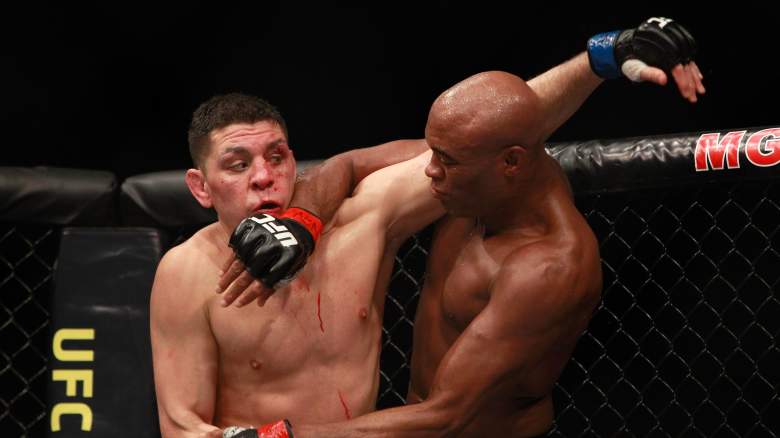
{"points": [[597, 166], [57, 196], [161, 199]]}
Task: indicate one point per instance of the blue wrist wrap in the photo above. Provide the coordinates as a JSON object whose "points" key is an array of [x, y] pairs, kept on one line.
{"points": [[601, 55]]}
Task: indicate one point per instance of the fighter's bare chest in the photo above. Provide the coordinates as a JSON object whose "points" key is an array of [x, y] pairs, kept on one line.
{"points": [[330, 308], [462, 269], [308, 319], [283, 318]]}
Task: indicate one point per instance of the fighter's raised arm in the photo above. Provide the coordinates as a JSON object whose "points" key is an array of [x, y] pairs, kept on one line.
{"points": [[321, 189], [659, 47]]}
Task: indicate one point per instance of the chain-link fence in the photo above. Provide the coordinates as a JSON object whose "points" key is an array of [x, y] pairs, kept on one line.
{"points": [[684, 342], [27, 255]]}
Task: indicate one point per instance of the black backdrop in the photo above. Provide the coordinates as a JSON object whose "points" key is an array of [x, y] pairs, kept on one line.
{"points": [[112, 85]]}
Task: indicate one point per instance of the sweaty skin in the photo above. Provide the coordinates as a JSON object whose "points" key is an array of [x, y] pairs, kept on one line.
{"points": [[311, 353]]}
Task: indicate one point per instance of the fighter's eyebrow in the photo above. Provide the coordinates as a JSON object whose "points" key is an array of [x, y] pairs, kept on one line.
{"points": [[275, 143], [233, 149], [239, 149], [442, 153]]}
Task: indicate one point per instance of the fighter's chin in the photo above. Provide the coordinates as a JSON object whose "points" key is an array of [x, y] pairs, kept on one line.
{"points": [[454, 209], [455, 212]]}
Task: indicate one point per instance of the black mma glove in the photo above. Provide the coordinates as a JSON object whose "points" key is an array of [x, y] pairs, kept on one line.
{"points": [[275, 249], [658, 42]]}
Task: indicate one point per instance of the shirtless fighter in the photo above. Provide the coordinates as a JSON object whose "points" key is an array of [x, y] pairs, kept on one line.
{"points": [[312, 353], [514, 271]]}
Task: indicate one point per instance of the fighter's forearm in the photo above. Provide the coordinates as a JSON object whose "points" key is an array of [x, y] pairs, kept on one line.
{"points": [[188, 429], [563, 89], [322, 189], [420, 420]]}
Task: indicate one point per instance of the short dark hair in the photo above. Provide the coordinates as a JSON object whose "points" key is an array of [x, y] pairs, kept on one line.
{"points": [[224, 110]]}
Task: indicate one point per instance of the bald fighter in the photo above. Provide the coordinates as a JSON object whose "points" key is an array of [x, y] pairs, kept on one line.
{"points": [[513, 274]]}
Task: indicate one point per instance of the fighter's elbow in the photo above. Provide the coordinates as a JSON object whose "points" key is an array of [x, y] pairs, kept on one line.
{"points": [[170, 428], [180, 423], [205, 431]]}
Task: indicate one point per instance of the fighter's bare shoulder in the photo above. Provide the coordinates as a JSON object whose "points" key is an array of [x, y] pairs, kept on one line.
{"points": [[552, 276], [186, 268]]}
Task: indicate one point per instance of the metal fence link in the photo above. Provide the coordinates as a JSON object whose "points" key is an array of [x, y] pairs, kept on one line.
{"points": [[27, 256]]}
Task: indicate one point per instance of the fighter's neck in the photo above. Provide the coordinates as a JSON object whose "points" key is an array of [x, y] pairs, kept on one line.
{"points": [[219, 235], [534, 209], [223, 232], [532, 218]]}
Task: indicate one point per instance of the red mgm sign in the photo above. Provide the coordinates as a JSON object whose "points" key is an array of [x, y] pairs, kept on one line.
{"points": [[762, 149]]}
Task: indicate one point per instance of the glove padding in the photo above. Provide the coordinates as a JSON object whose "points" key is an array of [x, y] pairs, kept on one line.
{"points": [[280, 429], [659, 42], [275, 249]]}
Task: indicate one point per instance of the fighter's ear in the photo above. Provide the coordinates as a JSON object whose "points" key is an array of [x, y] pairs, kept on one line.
{"points": [[196, 181], [514, 158]]}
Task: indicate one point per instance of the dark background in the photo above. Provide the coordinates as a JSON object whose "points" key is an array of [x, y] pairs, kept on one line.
{"points": [[112, 85]]}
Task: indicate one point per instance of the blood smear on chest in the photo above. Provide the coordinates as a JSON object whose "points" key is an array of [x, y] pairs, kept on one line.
{"points": [[322, 328], [347, 413]]}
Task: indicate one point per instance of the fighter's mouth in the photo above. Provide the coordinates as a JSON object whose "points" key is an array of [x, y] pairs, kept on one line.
{"points": [[437, 193], [268, 207]]}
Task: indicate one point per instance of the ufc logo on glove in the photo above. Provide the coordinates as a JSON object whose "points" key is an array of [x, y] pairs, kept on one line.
{"points": [[662, 21], [279, 231], [276, 261]]}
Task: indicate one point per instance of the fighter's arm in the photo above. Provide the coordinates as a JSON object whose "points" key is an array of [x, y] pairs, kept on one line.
{"points": [[657, 44], [562, 91], [322, 188], [564, 88], [399, 196], [184, 353], [533, 314]]}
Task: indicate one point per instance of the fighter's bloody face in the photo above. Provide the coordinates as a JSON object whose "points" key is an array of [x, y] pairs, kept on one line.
{"points": [[249, 169]]}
